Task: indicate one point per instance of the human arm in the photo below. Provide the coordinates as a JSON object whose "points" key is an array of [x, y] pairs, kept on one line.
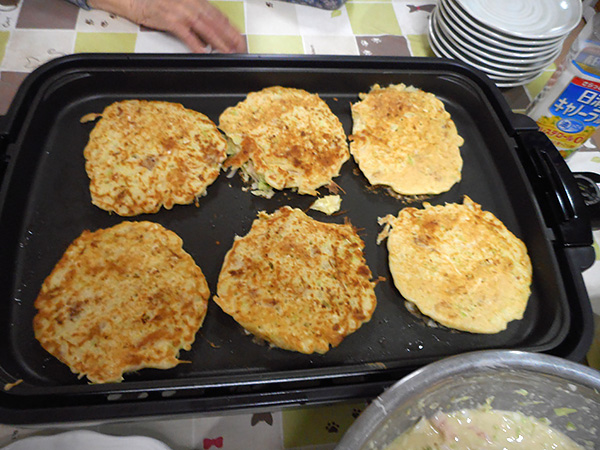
{"points": [[196, 23]]}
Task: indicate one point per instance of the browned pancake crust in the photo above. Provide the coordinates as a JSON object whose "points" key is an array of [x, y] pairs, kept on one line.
{"points": [[404, 138], [297, 283], [121, 299], [142, 155], [287, 138], [459, 265]]}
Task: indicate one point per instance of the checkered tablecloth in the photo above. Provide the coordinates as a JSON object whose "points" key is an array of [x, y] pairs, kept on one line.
{"points": [[33, 32]]}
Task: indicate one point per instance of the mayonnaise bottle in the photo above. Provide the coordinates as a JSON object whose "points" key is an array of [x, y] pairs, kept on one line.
{"points": [[567, 110]]}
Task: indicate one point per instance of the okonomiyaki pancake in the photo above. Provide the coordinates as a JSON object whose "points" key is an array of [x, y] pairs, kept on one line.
{"points": [[297, 283], [459, 265], [284, 138], [404, 138], [121, 299], [144, 155]]}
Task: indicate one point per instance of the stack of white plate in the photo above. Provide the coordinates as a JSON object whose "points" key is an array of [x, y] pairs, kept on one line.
{"points": [[512, 41]]}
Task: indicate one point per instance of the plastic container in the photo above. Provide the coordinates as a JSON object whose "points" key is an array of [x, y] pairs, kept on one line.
{"points": [[565, 393], [567, 110]]}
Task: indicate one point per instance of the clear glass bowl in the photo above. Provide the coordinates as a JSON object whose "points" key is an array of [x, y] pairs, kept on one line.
{"points": [[543, 386]]}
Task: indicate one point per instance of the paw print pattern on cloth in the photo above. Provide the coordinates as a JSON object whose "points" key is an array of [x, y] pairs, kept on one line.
{"points": [[356, 412], [383, 45], [332, 427]]}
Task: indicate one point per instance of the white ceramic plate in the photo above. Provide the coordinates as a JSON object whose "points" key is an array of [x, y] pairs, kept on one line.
{"points": [[500, 81], [515, 83], [86, 440], [504, 65], [492, 58], [439, 52], [493, 36], [481, 43], [458, 53], [529, 19]]}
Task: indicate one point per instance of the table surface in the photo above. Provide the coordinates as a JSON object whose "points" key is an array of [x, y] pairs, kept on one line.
{"points": [[36, 31]]}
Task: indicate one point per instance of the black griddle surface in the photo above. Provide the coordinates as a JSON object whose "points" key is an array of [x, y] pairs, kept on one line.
{"points": [[46, 204]]}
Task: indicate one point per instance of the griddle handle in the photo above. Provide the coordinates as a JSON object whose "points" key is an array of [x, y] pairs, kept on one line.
{"points": [[588, 185], [555, 184]]}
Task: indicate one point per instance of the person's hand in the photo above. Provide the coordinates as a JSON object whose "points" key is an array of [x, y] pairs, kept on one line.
{"points": [[196, 22]]}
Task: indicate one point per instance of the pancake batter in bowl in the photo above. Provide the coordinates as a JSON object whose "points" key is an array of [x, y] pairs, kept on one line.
{"points": [[482, 429]]}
